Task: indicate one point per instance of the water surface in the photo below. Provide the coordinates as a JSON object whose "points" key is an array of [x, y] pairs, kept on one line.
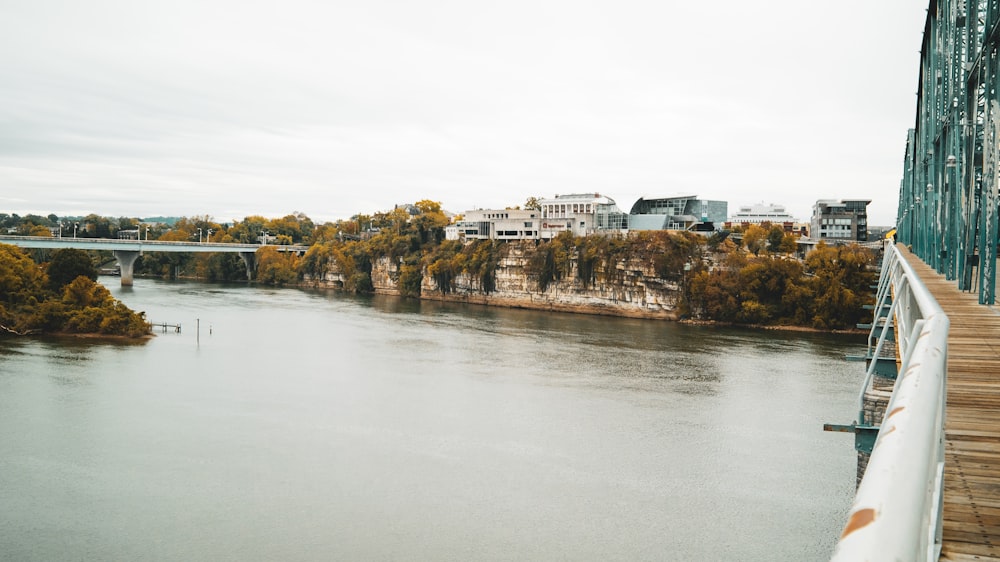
{"points": [[298, 425]]}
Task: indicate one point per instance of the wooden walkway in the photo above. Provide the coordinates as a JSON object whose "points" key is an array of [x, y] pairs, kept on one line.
{"points": [[972, 422]]}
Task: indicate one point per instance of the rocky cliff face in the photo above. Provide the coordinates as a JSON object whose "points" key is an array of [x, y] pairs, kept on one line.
{"points": [[635, 292]]}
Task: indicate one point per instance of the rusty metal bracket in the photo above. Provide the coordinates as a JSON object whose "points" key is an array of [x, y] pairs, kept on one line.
{"points": [[864, 435]]}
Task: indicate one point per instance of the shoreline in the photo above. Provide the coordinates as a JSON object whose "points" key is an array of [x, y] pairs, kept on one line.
{"points": [[98, 336], [776, 327], [487, 300], [665, 316]]}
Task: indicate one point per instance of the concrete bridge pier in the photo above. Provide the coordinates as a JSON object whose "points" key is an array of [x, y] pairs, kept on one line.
{"points": [[126, 261], [250, 262]]}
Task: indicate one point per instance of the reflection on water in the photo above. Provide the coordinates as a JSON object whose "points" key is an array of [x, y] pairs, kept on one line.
{"points": [[313, 425]]}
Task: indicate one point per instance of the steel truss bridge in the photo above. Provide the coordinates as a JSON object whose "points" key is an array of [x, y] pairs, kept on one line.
{"points": [[928, 426], [949, 193]]}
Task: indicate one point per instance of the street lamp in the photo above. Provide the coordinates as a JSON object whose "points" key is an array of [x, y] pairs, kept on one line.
{"points": [[199, 236], [76, 224], [208, 237], [263, 238], [60, 229]]}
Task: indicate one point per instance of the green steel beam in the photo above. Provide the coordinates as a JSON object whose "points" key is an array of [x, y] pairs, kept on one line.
{"points": [[950, 190]]}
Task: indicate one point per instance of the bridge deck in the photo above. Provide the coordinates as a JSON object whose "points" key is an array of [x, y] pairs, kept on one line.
{"points": [[972, 424]]}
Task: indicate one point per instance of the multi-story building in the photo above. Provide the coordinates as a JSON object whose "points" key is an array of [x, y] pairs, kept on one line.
{"points": [[581, 214], [506, 224], [761, 213], [683, 212], [767, 214], [840, 220]]}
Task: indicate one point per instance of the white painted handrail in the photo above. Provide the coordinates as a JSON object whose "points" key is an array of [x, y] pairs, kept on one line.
{"points": [[896, 513]]}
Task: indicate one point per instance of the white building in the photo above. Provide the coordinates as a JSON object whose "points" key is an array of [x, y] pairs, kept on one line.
{"points": [[761, 213], [581, 214], [495, 224]]}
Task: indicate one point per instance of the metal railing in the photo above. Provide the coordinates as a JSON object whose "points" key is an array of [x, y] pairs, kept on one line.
{"points": [[896, 513], [147, 245]]}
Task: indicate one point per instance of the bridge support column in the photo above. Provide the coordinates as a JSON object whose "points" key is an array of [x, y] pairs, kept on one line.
{"points": [[126, 260], [250, 262]]}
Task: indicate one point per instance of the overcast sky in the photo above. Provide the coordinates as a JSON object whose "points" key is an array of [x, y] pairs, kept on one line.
{"points": [[331, 108]]}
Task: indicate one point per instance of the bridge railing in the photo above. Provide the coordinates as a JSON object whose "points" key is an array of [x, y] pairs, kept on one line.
{"points": [[896, 513], [141, 245]]}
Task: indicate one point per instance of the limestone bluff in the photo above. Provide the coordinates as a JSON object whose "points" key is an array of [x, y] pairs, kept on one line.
{"points": [[660, 276], [635, 291]]}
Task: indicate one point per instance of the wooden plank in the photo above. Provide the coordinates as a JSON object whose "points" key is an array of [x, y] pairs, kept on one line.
{"points": [[961, 557], [971, 525]]}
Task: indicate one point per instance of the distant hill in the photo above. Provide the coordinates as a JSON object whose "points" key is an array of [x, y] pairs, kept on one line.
{"points": [[169, 221]]}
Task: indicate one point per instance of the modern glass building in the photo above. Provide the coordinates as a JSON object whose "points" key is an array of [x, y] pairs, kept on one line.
{"points": [[683, 212]]}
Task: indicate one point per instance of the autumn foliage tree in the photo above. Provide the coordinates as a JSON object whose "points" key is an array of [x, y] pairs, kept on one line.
{"points": [[31, 303], [66, 264], [826, 291], [90, 308], [755, 239], [275, 267], [842, 279], [21, 280]]}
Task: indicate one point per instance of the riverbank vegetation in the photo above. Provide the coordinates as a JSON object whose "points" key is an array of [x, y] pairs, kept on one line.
{"points": [[754, 278], [60, 295], [825, 291]]}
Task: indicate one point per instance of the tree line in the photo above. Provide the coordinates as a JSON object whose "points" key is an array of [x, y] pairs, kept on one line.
{"points": [[751, 277]]}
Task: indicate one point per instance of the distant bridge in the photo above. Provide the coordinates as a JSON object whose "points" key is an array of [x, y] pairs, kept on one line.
{"points": [[127, 251]]}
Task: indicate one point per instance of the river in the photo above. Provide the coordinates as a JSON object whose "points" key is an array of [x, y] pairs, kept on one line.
{"points": [[284, 424]]}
